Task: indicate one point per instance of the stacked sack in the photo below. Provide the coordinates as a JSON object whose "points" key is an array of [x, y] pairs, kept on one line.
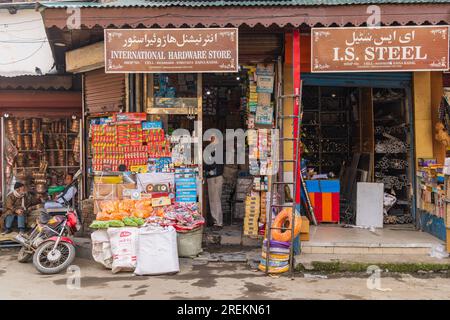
{"points": [[278, 256]]}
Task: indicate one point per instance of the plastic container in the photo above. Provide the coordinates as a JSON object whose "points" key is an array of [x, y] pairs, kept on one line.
{"points": [[190, 243]]}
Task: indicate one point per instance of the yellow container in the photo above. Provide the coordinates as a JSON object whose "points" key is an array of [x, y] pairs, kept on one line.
{"points": [[108, 180]]}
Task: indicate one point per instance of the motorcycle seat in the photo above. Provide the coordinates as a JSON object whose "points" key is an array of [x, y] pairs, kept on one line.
{"points": [[58, 211]]}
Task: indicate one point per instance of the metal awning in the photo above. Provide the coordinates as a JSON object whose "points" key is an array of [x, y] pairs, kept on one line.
{"points": [[213, 13], [24, 47]]}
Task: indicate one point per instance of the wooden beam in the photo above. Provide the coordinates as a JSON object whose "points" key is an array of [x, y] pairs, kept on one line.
{"points": [[86, 59]]}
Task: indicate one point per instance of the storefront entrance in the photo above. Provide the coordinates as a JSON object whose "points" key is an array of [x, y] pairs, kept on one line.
{"points": [[356, 128]]}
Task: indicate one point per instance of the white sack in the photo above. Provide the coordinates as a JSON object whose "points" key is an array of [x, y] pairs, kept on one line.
{"points": [[124, 248], [101, 248], [157, 251]]}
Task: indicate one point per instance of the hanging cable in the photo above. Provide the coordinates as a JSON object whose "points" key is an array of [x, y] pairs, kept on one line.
{"points": [[23, 59]]}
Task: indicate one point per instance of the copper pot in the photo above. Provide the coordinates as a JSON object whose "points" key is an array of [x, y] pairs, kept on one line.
{"points": [[19, 142], [11, 129], [35, 125], [75, 127], [76, 145], [36, 141], [51, 158], [27, 142], [19, 125], [41, 188], [21, 161], [27, 125]]}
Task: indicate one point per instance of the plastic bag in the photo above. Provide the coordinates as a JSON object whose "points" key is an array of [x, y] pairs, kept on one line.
{"points": [[388, 202], [127, 205], [103, 216], [101, 248], [138, 221], [124, 248], [116, 224], [439, 252], [110, 206], [129, 222], [119, 215], [96, 224], [157, 251]]}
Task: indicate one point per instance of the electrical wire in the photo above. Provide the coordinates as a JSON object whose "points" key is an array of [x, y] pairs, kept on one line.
{"points": [[20, 22], [23, 42], [23, 59]]}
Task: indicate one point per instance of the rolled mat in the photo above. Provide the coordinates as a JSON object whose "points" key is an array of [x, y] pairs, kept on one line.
{"points": [[273, 269], [276, 257], [277, 244]]}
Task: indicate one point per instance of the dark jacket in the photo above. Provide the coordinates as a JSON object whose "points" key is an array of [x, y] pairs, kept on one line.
{"points": [[214, 169], [13, 203]]}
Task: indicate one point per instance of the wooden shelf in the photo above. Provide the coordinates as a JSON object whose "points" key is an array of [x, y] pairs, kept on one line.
{"points": [[173, 111]]}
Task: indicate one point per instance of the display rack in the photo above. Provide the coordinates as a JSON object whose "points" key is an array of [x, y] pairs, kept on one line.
{"points": [[391, 155], [31, 154], [327, 129]]}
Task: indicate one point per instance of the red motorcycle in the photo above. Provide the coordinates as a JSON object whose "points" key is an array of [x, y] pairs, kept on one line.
{"points": [[49, 243]]}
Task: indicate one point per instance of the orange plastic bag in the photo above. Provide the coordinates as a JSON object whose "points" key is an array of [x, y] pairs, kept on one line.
{"points": [[143, 204], [119, 215], [110, 206], [103, 216], [127, 205]]}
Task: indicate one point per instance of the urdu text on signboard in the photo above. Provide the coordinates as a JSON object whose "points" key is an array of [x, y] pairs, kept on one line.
{"points": [[372, 49], [171, 50]]}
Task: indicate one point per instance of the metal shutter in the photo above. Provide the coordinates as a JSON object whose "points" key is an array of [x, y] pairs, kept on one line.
{"points": [[258, 47], [104, 92]]}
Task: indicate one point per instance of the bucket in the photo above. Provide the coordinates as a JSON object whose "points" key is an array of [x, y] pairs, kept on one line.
{"points": [[190, 243]]}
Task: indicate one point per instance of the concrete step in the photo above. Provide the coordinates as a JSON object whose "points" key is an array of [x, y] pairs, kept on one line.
{"points": [[409, 263], [367, 248]]}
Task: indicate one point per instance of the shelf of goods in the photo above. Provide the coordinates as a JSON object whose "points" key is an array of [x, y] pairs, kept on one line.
{"points": [[258, 107], [39, 151], [326, 128], [140, 171]]}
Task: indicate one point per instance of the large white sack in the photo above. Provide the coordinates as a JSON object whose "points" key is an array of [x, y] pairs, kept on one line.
{"points": [[157, 251], [124, 248], [101, 248]]}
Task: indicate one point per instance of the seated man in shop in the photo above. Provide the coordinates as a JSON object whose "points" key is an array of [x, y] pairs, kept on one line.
{"points": [[65, 197], [17, 205]]}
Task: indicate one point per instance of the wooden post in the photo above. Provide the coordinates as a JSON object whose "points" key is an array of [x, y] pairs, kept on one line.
{"points": [[297, 87]]}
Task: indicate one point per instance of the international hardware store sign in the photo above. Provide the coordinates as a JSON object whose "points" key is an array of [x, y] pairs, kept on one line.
{"points": [[416, 48], [171, 50]]}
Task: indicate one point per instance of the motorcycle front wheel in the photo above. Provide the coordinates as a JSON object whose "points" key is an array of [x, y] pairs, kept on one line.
{"points": [[49, 261], [24, 256]]}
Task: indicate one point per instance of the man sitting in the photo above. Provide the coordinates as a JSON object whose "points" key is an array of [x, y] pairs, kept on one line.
{"points": [[65, 197], [17, 205]]}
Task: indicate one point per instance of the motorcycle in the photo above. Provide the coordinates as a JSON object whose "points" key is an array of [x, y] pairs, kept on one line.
{"points": [[49, 243]]}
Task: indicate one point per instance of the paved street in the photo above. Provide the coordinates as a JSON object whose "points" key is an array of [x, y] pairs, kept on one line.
{"points": [[211, 281]]}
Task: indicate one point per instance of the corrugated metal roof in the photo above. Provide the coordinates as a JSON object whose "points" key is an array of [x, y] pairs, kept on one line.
{"points": [[224, 3]]}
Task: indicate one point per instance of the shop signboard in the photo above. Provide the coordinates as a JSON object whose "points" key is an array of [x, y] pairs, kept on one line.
{"points": [[202, 50], [373, 49]]}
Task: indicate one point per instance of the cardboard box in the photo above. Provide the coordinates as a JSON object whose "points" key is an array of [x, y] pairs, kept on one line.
{"points": [[305, 225], [103, 191], [122, 187]]}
